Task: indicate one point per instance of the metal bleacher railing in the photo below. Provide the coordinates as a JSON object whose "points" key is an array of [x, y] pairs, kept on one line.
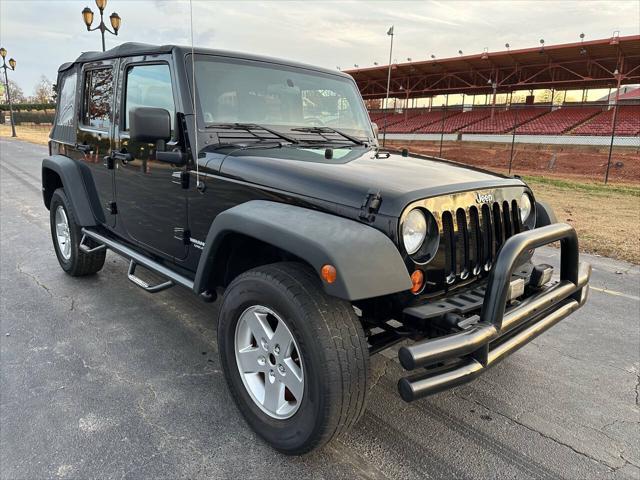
{"points": [[591, 140]]}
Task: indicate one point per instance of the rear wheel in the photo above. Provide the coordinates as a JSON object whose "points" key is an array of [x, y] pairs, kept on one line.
{"points": [[295, 359], [66, 235]]}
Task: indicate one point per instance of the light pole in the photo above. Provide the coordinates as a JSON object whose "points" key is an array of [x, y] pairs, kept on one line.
{"points": [[493, 101], [87, 16], [12, 66], [384, 132]]}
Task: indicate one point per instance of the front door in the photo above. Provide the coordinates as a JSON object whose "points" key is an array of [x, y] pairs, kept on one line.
{"points": [[95, 130], [152, 208]]}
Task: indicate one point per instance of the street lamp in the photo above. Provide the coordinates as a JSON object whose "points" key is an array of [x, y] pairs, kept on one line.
{"points": [[583, 51], [494, 85], [384, 132], [11, 66], [114, 18]]}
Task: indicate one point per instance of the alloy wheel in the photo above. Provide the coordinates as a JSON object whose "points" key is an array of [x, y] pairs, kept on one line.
{"points": [[269, 362], [63, 234]]}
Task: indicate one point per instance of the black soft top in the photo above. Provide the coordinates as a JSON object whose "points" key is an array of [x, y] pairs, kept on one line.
{"points": [[131, 49]]}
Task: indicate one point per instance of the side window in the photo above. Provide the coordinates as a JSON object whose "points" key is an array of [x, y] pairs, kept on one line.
{"points": [[148, 86], [66, 101], [98, 93]]}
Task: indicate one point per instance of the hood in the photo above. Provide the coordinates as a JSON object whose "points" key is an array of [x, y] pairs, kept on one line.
{"points": [[351, 174]]}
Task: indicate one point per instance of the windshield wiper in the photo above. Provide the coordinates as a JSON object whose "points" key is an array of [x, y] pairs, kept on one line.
{"points": [[244, 146], [321, 130], [249, 127]]}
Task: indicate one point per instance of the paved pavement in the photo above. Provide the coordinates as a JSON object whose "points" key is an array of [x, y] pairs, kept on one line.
{"points": [[101, 380]]}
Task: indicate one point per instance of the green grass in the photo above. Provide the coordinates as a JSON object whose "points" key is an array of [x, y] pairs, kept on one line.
{"points": [[597, 188]]}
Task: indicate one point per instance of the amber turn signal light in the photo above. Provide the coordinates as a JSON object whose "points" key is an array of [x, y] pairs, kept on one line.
{"points": [[329, 273], [417, 281]]}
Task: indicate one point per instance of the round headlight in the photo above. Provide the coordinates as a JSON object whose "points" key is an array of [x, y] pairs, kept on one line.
{"points": [[525, 207], [414, 231]]}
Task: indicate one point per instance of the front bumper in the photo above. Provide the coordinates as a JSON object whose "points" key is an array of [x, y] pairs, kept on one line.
{"points": [[460, 357]]}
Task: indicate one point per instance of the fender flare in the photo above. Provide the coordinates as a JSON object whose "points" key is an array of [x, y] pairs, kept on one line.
{"points": [[544, 214], [367, 261], [75, 177]]}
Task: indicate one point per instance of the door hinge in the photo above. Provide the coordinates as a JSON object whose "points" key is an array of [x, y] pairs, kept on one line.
{"points": [[113, 208], [182, 234], [370, 206], [108, 162]]}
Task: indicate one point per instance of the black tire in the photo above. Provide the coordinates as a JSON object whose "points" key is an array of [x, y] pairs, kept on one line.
{"points": [[332, 345], [79, 263]]}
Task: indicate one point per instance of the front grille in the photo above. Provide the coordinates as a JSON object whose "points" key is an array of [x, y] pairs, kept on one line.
{"points": [[473, 226], [471, 237]]}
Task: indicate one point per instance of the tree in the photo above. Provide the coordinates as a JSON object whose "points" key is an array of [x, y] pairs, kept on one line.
{"points": [[373, 103], [17, 95], [44, 91]]}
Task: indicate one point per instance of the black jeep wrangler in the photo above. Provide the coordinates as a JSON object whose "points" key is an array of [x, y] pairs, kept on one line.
{"points": [[261, 180]]}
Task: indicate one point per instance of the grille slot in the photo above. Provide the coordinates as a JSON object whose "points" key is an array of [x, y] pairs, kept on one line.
{"points": [[449, 239], [487, 235], [471, 237]]}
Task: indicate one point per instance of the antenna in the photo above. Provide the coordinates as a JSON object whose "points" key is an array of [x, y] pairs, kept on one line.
{"points": [[193, 89]]}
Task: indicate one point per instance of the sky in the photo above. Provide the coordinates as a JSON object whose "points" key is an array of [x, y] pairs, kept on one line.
{"points": [[41, 35]]}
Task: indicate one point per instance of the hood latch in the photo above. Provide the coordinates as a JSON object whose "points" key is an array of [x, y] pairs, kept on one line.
{"points": [[370, 206]]}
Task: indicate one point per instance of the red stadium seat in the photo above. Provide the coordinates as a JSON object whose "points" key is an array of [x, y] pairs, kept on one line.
{"points": [[416, 122], [454, 123], [558, 121], [504, 120], [579, 120], [627, 122]]}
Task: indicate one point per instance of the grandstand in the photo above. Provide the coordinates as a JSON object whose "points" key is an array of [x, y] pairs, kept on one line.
{"points": [[606, 63]]}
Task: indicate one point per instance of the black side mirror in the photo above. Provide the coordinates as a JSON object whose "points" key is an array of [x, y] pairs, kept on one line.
{"points": [[149, 124]]}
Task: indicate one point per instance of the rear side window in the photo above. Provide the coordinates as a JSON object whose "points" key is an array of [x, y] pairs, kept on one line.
{"points": [[98, 93], [66, 101], [148, 86]]}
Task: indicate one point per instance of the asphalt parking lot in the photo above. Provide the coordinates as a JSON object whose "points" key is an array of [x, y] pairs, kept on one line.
{"points": [[100, 379]]}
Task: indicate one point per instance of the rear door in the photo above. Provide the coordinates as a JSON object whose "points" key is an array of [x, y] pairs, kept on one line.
{"points": [[152, 209], [95, 129]]}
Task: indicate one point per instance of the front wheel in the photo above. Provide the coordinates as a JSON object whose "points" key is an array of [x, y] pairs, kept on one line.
{"points": [[295, 359]]}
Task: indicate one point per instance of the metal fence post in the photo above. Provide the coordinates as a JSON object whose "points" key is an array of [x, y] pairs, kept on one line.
{"points": [[442, 131], [613, 136], [513, 141]]}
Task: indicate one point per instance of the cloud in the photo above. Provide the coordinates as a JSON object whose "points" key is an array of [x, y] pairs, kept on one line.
{"points": [[43, 34]]}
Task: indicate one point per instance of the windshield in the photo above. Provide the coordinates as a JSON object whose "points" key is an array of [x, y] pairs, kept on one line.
{"points": [[247, 92]]}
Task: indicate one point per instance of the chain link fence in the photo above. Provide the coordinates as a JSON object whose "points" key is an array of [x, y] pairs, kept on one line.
{"points": [[582, 141]]}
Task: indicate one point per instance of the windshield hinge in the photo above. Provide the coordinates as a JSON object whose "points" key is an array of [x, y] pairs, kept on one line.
{"points": [[181, 178], [370, 206], [182, 234]]}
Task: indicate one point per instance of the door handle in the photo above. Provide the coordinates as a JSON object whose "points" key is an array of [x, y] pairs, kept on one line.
{"points": [[83, 148], [124, 157]]}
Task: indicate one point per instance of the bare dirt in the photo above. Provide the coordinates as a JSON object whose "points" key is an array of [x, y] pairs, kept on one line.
{"points": [[587, 163]]}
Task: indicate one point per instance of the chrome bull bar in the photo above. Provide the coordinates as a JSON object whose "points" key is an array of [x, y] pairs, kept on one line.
{"points": [[499, 331]]}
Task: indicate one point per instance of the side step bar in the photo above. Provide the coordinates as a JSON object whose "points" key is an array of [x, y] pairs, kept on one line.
{"points": [[136, 259]]}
